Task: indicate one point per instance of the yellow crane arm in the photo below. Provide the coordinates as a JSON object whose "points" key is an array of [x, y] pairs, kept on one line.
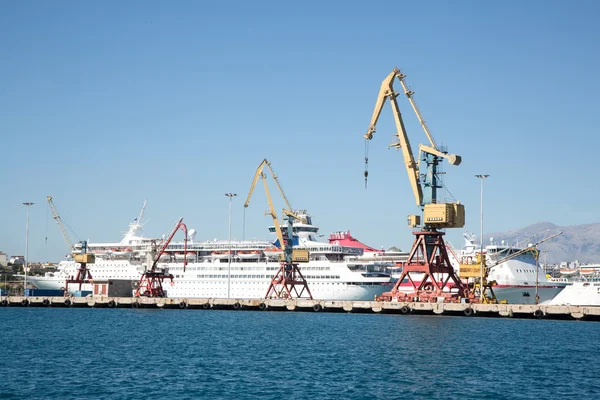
{"points": [[259, 174], [412, 167], [56, 217], [273, 214], [409, 94]]}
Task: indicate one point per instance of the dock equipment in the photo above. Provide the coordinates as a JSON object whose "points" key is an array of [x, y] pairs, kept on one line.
{"points": [[428, 267], [84, 258], [288, 281], [150, 284], [78, 251]]}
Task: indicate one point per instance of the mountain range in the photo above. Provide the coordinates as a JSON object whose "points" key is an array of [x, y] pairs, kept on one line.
{"points": [[576, 242]]}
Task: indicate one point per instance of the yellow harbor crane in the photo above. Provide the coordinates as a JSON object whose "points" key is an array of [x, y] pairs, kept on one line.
{"points": [[79, 251], [288, 281], [428, 258]]}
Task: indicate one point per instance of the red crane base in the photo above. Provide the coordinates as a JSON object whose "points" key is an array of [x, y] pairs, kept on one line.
{"points": [[288, 282], [429, 272], [83, 276], [150, 284]]}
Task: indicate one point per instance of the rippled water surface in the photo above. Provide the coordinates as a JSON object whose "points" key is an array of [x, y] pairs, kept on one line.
{"points": [[54, 353]]}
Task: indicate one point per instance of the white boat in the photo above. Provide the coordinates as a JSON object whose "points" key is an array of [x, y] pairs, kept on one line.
{"points": [[587, 271], [579, 293], [569, 272], [517, 278], [334, 272], [272, 252], [250, 254], [121, 252], [188, 256], [97, 252], [220, 254]]}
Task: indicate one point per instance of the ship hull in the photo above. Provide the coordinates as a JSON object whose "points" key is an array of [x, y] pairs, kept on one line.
{"points": [[247, 280]]}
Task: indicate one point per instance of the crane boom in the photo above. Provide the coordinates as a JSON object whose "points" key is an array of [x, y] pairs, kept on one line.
{"points": [[56, 217], [387, 91], [273, 215], [163, 245], [290, 255], [525, 250], [258, 173]]}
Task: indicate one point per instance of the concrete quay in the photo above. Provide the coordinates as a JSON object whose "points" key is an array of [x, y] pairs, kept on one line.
{"points": [[459, 309]]}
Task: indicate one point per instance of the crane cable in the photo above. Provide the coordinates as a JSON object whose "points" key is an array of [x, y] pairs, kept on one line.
{"points": [[47, 207], [366, 161]]}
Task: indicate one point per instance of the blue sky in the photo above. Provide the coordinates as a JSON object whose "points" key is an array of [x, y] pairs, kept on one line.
{"points": [[109, 103]]}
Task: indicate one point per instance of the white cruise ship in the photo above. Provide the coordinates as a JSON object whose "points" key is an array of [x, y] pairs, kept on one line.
{"points": [[516, 278], [334, 272]]}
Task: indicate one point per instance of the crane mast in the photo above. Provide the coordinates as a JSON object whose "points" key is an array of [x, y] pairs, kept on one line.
{"points": [[56, 217], [428, 267]]}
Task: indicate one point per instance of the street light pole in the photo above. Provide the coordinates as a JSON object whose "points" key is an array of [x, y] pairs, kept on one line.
{"points": [[481, 177], [26, 204], [231, 196]]}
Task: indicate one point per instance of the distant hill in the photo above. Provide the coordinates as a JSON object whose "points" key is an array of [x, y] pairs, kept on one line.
{"points": [[577, 242]]}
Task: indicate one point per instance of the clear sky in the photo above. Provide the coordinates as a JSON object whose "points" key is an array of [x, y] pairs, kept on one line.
{"points": [[105, 104]]}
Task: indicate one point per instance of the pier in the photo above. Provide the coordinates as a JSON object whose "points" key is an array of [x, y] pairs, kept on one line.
{"points": [[377, 307]]}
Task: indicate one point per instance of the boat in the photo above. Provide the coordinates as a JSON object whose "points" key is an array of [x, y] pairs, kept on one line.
{"points": [[220, 254], [121, 252], [163, 256], [517, 277], [250, 254], [569, 271], [272, 252], [579, 293], [188, 256], [587, 271], [334, 272], [96, 252]]}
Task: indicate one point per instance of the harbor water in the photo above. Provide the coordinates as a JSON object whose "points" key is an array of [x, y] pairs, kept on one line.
{"points": [[65, 353]]}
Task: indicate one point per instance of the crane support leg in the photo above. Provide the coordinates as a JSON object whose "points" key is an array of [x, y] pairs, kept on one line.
{"points": [[428, 272], [83, 276], [288, 282], [150, 284]]}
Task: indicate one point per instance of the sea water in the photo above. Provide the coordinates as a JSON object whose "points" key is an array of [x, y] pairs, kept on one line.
{"points": [[57, 353]]}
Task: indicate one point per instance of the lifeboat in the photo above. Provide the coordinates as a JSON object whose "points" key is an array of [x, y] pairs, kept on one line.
{"points": [[188, 256], [165, 256], [220, 254], [272, 252], [587, 271], [569, 272], [121, 252], [100, 253], [250, 254]]}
